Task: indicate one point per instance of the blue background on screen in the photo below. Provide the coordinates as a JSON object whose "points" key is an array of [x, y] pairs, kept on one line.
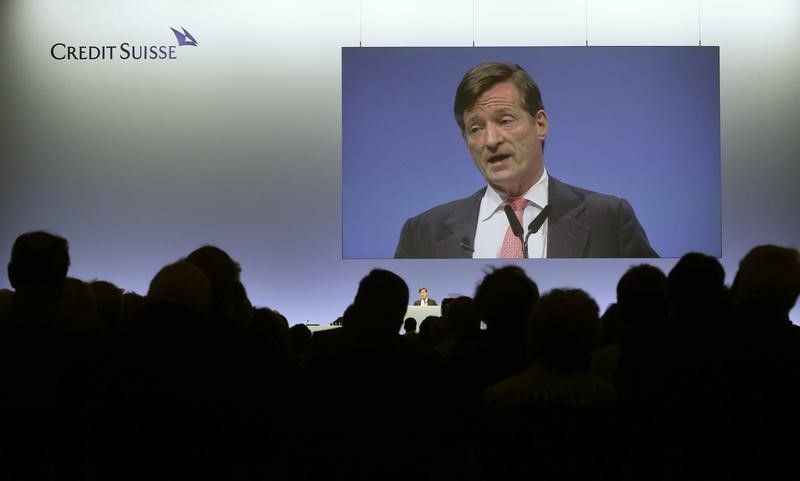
{"points": [[641, 123]]}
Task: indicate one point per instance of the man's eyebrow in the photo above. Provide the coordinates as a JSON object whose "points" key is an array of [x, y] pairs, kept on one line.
{"points": [[476, 114], [471, 117]]}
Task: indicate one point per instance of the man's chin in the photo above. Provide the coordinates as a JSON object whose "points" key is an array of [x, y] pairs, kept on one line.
{"points": [[501, 179], [507, 186]]}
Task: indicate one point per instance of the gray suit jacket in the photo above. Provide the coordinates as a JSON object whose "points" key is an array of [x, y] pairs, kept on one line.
{"points": [[582, 223]]}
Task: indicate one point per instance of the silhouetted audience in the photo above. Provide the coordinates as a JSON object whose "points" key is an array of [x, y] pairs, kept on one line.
{"points": [[372, 374], [764, 367], [132, 303], [410, 327], [6, 295], [504, 300], [108, 299], [273, 327], [553, 419], [605, 359], [426, 332], [229, 303], [681, 378], [299, 343], [37, 271], [79, 307], [51, 365], [458, 327]]}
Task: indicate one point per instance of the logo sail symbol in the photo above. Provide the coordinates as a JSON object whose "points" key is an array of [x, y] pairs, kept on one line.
{"points": [[184, 38]]}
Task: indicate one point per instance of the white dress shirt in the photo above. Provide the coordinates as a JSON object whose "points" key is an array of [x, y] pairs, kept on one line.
{"points": [[493, 223]]}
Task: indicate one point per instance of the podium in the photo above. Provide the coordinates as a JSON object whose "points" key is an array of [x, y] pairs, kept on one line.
{"points": [[421, 312]]}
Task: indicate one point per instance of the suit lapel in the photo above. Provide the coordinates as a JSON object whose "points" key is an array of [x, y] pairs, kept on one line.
{"points": [[461, 224], [566, 236]]}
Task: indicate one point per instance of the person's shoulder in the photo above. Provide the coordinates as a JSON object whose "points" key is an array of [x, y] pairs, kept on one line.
{"points": [[616, 231], [590, 197], [589, 203], [449, 207], [440, 232]]}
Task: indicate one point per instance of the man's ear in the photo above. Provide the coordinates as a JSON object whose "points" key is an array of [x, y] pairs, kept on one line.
{"points": [[541, 123]]}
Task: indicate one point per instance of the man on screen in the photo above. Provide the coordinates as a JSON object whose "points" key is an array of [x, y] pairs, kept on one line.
{"points": [[499, 110], [424, 300]]}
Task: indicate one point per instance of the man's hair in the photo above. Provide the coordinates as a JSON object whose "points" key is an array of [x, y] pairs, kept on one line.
{"points": [[223, 275], [769, 276], [564, 329], [484, 76], [382, 294], [695, 282], [38, 259], [422, 289], [642, 294], [462, 316], [504, 298], [181, 283], [216, 264]]}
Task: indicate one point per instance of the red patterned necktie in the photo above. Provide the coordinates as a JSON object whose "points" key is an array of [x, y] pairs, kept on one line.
{"points": [[512, 246]]}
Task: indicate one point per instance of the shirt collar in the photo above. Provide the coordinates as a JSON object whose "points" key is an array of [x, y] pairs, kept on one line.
{"points": [[493, 202]]}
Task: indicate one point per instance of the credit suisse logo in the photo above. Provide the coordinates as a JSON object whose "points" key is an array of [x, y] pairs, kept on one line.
{"points": [[125, 50]]}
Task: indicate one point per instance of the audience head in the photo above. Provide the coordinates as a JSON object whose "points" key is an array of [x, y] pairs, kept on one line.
{"points": [[611, 326], [440, 329], [504, 300], [182, 284], [132, 304], [78, 306], [642, 295], [109, 302], [300, 337], [564, 329], [462, 317], [283, 325], [445, 304], [695, 284], [271, 324], [425, 331], [381, 301], [769, 277], [38, 260], [223, 277], [240, 312], [410, 325]]}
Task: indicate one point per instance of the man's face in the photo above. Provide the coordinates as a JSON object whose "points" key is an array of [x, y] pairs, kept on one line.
{"points": [[505, 141], [423, 294]]}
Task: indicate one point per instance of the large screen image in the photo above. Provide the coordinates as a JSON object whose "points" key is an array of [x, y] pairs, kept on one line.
{"points": [[628, 152]]}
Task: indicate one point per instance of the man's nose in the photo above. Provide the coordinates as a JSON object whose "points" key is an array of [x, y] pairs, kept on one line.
{"points": [[494, 137]]}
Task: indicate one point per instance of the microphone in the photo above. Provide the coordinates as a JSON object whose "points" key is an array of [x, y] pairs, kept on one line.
{"points": [[537, 223], [516, 228], [465, 244]]}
